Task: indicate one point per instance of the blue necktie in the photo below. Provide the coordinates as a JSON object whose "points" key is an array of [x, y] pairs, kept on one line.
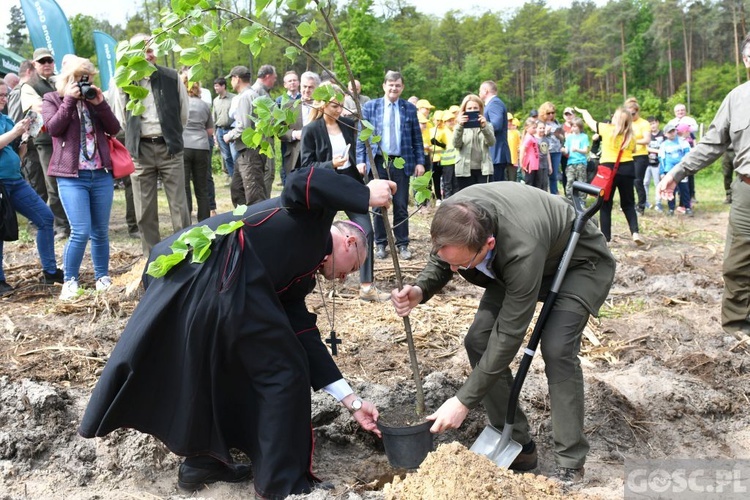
{"points": [[392, 144]]}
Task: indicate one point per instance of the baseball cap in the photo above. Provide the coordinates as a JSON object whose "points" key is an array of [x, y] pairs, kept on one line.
{"points": [[534, 113], [569, 111], [669, 127], [438, 116], [454, 109], [240, 71], [424, 103], [448, 115], [41, 53], [683, 127], [422, 118]]}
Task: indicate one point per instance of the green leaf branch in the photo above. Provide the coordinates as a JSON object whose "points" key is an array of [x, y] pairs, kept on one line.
{"points": [[193, 18]]}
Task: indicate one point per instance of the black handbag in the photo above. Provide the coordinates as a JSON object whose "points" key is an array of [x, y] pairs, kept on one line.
{"points": [[8, 220]]}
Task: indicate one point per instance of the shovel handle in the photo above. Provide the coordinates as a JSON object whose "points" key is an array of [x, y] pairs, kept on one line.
{"points": [[583, 215]]}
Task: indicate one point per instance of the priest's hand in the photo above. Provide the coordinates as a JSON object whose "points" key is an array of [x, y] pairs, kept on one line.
{"points": [[449, 416], [381, 192], [366, 418]]}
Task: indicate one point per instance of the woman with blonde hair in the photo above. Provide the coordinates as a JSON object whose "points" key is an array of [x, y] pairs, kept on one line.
{"points": [[616, 137], [642, 133], [79, 121], [329, 140], [556, 138], [472, 139], [197, 149]]}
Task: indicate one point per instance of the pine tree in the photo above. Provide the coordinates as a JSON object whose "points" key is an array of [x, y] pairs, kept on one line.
{"points": [[16, 38]]}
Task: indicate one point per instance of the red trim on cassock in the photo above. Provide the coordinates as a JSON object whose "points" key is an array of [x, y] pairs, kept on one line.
{"points": [[296, 279], [307, 188], [305, 331], [274, 212]]}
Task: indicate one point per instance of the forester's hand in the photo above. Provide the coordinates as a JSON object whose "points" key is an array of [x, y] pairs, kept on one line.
{"points": [[449, 416]]}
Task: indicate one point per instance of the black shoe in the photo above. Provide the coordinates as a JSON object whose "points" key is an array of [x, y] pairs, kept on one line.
{"points": [[52, 278], [5, 289], [193, 478], [525, 461], [380, 252]]}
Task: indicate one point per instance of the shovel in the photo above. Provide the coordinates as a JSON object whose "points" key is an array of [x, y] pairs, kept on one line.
{"points": [[499, 446]]}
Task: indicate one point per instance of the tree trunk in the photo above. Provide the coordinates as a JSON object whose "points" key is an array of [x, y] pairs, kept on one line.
{"points": [[686, 40], [624, 75], [736, 43], [671, 68]]}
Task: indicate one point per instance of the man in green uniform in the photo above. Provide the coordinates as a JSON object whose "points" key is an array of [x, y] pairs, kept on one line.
{"points": [[509, 238], [729, 129]]}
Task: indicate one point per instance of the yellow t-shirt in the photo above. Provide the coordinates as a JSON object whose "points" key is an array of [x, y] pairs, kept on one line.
{"points": [[514, 143], [610, 147], [641, 128]]}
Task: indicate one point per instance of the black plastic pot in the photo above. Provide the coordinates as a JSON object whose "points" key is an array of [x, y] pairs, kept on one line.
{"points": [[407, 447]]}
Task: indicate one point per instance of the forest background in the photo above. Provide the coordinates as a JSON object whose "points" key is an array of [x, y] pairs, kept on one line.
{"points": [[662, 52]]}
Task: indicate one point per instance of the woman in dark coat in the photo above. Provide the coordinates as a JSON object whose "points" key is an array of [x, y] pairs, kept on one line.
{"points": [[330, 141]]}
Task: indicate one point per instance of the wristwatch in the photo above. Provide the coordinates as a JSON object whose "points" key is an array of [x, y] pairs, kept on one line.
{"points": [[356, 405]]}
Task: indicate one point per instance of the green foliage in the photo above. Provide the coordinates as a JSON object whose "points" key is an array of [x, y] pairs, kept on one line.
{"points": [[363, 35], [16, 39], [421, 187]]}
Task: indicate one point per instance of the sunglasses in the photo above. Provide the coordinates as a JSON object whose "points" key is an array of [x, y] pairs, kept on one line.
{"points": [[46, 60]]}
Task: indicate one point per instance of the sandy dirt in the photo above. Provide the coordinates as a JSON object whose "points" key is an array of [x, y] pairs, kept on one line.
{"points": [[662, 379]]}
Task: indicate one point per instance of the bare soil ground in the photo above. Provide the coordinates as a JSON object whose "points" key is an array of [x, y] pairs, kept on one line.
{"points": [[662, 378]]}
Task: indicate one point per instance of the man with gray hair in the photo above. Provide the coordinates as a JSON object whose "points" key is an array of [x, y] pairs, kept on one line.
{"points": [[154, 140], [729, 129], [290, 141], [31, 99]]}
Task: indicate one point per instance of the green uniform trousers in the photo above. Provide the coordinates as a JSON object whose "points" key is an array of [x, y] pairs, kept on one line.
{"points": [[735, 306], [560, 344]]}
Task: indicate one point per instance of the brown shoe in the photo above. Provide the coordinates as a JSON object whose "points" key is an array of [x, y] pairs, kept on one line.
{"points": [[569, 477], [525, 461]]}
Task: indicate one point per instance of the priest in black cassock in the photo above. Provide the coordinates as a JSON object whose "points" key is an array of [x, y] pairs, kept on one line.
{"points": [[222, 354]]}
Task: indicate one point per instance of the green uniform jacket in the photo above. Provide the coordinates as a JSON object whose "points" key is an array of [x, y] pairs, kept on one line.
{"points": [[532, 229]]}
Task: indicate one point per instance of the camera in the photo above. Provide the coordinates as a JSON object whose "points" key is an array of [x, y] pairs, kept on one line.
{"points": [[87, 91]]}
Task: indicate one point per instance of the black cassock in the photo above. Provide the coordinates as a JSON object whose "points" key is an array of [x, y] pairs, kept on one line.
{"points": [[222, 354]]}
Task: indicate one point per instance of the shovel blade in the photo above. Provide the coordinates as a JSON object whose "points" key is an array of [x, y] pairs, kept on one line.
{"points": [[497, 446]]}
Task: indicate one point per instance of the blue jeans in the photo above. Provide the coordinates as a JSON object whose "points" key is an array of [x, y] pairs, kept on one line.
{"points": [[88, 202], [556, 159], [226, 150], [400, 207], [26, 202]]}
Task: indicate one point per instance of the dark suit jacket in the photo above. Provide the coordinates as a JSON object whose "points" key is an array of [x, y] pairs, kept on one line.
{"points": [[497, 114], [290, 146], [317, 150], [412, 148]]}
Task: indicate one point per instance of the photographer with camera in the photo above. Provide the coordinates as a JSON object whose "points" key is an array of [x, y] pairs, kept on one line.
{"points": [[77, 118], [473, 137]]}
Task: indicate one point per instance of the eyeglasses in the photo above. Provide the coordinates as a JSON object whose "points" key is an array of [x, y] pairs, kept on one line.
{"points": [[551, 112], [468, 266], [46, 60], [3, 96]]}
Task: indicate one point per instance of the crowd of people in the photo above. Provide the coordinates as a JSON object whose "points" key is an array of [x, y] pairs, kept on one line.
{"points": [[502, 187]]}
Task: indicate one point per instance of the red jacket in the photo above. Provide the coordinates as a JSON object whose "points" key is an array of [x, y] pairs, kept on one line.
{"points": [[64, 125]]}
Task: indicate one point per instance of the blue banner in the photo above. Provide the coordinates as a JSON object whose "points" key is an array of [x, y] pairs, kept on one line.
{"points": [[105, 56], [48, 27]]}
